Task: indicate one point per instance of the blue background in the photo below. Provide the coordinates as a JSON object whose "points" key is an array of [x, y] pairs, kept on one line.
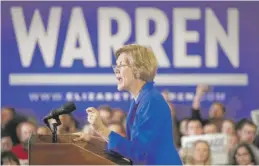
{"points": [[240, 100]]}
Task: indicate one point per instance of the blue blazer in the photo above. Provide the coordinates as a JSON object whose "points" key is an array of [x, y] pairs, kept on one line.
{"points": [[149, 131]]}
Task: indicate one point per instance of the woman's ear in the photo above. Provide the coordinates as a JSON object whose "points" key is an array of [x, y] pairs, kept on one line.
{"points": [[136, 73]]}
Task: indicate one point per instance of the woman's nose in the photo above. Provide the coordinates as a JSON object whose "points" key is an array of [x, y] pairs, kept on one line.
{"points": [[117, 71]]}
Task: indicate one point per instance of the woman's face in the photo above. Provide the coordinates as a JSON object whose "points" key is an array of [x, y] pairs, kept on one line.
{"points": [[201, 152], [228, 128], [183, 127], [124, 73], [243, 157]]}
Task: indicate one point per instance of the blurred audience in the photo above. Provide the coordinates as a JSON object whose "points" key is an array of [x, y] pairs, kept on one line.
{"points": [[6, 141], [201, 154], [7, 114], [12, 125], [106, 114], [118, 116], [243, 154], [194, 127], [210, 128], [183, 126], [256, 143], [241, 136], [232, 142], [43, 130], [24, 131], [246, 131], [68, 124], [216, 111], [228, 127], [8, 158]]}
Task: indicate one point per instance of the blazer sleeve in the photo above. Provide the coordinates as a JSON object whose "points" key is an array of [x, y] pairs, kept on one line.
{"points": [[137, 148]]}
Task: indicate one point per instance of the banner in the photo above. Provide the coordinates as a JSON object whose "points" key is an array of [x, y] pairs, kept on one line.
{"points": [[218, 146], [54, 52]]}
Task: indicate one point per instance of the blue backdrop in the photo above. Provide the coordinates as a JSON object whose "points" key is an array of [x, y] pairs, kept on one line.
{"points": [[53, 52]]}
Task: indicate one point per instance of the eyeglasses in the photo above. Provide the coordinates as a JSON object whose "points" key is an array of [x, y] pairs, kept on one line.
{"points": [[252, 133], [115, 67], [242, 154]]}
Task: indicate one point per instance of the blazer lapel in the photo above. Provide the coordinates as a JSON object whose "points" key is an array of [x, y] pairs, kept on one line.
{"points": [[128, 121], [132, 111]]}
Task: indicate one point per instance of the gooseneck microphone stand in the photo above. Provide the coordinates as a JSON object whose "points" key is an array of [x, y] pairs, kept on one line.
{"points": [[54, 128]]}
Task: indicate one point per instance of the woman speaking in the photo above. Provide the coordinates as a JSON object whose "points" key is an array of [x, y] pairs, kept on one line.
{"points": [[149, 124]]}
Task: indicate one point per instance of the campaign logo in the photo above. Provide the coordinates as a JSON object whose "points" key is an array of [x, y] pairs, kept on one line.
{"points": [[65, 52]]}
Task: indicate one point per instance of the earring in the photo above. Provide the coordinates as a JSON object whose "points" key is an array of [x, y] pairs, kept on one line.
{"points": [[137, 75]]}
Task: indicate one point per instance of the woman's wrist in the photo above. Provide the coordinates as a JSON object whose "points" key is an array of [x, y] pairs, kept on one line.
{"points": [[104, 132]]}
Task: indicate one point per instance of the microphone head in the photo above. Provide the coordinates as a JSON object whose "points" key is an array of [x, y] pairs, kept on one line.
{"points": [[67, 108]]}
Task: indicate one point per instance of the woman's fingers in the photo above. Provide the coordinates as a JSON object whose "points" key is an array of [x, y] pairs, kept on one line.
{"points": [[79, 136], [77, 133]]}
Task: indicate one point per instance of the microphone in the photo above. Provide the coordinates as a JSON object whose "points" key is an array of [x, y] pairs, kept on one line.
{"points": [[65, 109]]}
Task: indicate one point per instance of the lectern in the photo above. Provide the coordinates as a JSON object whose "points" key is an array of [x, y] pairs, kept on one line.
{"points": [[67, 152]]}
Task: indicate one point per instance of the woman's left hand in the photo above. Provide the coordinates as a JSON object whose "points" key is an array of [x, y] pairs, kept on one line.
{"points": [[81, 136], [94, 118]]}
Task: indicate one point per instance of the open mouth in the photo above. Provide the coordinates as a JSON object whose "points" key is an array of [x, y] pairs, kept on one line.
{"points": [[119, 79]]}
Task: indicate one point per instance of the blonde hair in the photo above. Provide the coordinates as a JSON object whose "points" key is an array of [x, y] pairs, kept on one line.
{"points": [[142, 59], [190, 159]]}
